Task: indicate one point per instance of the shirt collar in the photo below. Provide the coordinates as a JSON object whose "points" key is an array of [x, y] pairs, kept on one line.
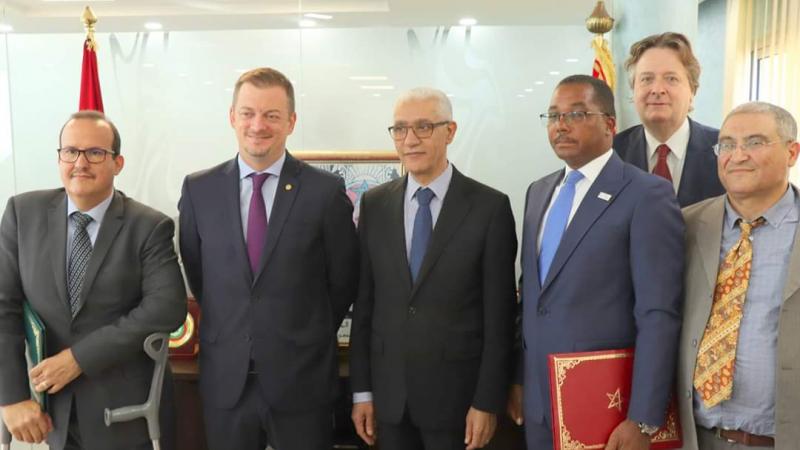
{"points": [[784, 210], [274, 170], [592, 169], [97, 213], [438, 186], [677, 143]]}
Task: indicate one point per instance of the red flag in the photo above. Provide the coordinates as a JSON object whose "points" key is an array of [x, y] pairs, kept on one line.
{"points": [[91, 97]]}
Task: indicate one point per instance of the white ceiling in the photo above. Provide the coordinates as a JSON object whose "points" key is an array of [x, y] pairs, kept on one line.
{"points": [[46, 16]]}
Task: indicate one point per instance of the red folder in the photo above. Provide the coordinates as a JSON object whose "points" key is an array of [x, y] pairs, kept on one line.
{"points": [[590, 393]]}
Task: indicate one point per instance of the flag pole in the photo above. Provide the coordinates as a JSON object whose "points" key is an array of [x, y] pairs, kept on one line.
{"points": [[90, 95]]}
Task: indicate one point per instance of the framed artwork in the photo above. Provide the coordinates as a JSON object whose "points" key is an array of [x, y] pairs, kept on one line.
{"points": [[361, 171]]}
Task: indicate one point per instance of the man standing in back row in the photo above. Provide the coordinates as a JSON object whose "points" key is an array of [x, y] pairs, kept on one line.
{"points": [[271, 254], [664, 75]]}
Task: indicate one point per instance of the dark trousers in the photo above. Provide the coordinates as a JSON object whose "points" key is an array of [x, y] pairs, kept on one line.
{"points": [[538, 436], [406, 435], [74, 441], [252, 425]]}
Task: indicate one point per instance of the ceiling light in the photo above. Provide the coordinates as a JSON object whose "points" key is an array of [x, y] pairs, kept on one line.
{"points": [[555, 72], [148, 65], [6, 28], [208, 83], [520, 96], [468, 22], [528, 89], [539, 83], [369, 78], [571, 60], [378, 87], [153, 26], [376, 95], [318, 16], [306, 23]]}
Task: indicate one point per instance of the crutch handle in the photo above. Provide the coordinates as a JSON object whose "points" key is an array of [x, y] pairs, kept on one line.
{"points": [[5, 436], [156, 346]]}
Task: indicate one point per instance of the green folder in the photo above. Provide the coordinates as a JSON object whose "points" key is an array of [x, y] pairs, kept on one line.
{"points": [[35, 337]]}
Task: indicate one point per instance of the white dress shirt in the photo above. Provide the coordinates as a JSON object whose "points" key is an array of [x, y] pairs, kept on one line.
{"points": [[677, 144]]}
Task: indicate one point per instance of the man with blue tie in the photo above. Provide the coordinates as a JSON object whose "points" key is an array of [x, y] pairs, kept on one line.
{"points": [[602, 267], [432, 327]]}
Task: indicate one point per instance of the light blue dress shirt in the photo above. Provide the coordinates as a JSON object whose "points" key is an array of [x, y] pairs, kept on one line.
{"points": [[751, 407]]}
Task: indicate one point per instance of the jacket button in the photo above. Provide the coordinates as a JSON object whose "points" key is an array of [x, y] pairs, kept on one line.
{"points": [[248, 338], [689, 394], [412, 310], [694, 342], [542, 311]]}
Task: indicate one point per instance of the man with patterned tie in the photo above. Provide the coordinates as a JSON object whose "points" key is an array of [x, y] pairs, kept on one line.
{"points": [[433, 321], [739, 364], [271, 254], [101, 272], [664, 75], [602, 267]]}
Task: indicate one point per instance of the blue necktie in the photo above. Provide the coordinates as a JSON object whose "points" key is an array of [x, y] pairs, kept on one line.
{"points": [[557, 223], [423, 226]]}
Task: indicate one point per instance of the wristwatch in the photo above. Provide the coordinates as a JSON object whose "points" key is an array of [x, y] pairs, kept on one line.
{"points": [[649, 430]]}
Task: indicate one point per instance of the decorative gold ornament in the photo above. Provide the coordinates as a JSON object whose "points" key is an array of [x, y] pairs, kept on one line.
{"points": [[599, 22], [89, 19]]}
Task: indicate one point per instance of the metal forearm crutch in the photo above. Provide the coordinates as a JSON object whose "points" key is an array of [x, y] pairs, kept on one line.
{"points": [[156, 347], [5, 436]]}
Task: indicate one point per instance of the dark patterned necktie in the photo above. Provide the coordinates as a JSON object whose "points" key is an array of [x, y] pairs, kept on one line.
{"points": [[78, 259]]}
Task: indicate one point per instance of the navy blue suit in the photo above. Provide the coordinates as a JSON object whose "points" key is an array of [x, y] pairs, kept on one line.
{"points": [[699, 179], [615, 282]]}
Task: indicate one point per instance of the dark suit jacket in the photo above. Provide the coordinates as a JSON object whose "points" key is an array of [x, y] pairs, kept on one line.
{"points": [[133, 287], [443, 344], [615, 282], [699, 179], [284, 317]]}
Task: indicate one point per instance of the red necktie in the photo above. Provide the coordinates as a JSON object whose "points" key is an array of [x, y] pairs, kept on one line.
{"points": [[662, 169]]}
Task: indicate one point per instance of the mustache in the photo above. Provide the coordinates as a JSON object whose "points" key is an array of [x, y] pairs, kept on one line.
{"points": [[80, 172], [560, 138]]}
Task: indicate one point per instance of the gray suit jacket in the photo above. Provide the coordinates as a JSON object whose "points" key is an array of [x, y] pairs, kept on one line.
{"points": [[133, 287], [704, 235]]}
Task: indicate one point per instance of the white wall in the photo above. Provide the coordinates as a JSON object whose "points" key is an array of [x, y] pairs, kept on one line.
{"points": [[169, 94]]}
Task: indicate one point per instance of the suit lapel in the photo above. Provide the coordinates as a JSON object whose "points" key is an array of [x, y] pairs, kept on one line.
{"points": [[611, 181], [285, 194], [232, 214], [638, 153], [455, 206], [394, 224], [57, 240], [112, 222], [709, 227], [793, 275], [538, 201], [695, 167]]}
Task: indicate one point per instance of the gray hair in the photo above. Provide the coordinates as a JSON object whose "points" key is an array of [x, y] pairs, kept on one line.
{"points": [[787, 126], [443, 108]]}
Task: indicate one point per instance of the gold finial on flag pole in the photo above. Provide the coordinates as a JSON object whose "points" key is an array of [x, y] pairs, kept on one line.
{"points": [[89, 19], [599, 23]]}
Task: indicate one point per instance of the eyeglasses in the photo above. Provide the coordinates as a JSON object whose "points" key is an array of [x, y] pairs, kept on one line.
{"points": [[422, 130], [751, 145], [569, 118], [94, 155]]}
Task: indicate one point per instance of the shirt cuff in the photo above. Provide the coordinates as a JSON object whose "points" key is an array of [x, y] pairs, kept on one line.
{"points": [[362, 397]]}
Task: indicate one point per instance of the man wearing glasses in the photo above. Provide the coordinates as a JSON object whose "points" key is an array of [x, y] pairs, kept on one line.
{"points": [[738, 380], [101, 272], [433, 320], [602, 266]]}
